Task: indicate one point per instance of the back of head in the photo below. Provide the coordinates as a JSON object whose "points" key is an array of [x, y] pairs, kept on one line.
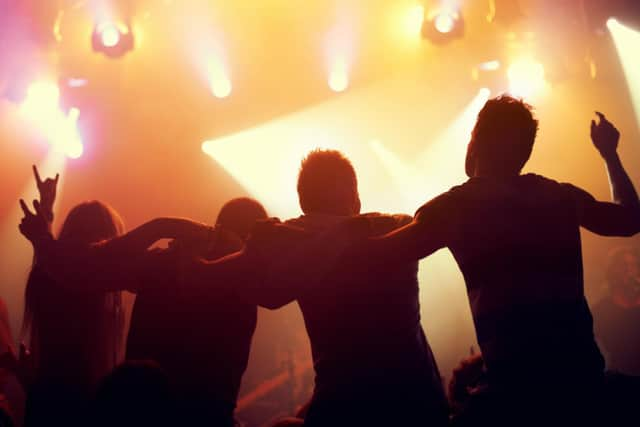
{"points": [[91, 222], [502, 139], [240, 214], [135, 393], [327, 183]]}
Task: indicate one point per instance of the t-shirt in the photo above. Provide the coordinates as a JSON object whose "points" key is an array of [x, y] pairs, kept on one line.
{"points": [[201, 339], [517, 243], [363, 322]]}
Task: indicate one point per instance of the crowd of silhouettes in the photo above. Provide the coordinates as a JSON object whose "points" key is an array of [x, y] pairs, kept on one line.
{"points": [[514, 236]]}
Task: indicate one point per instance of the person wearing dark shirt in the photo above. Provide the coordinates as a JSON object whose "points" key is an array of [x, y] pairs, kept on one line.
{"points": [[516, 239], [617, 314], [200, 339], [372, 361]]}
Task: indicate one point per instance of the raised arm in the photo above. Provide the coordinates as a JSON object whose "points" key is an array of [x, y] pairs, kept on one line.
{"points": [[605, 138], [622, 217]]}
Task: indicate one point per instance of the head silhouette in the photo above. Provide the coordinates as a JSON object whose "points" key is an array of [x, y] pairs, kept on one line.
{"points": [[502, 139], [239, 215], [327, 183], [91, 222]]}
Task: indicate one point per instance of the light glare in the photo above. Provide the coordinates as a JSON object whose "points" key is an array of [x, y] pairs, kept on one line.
{"points": [[526, 77], [41, 107], [109, 35], [219, 82], [444, 22], [339, 77]]}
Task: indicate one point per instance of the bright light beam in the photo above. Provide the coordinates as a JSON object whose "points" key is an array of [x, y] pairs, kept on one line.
{"points": [[444, 158], [41, 108], [627, 42]]}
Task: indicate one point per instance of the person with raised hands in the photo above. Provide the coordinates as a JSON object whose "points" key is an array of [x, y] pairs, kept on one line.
{"points": [[516, 239]]}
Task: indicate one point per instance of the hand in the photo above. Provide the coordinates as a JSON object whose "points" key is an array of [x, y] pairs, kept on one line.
{"points": [[605, 136], [47, 190], [33, 226]]}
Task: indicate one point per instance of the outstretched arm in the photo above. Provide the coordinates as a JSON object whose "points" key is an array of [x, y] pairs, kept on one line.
{"points": [[428, 232], [108, 264], [621, 218]]}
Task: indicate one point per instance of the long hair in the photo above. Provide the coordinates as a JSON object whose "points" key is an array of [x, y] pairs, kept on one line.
{"points": [[86, 223]]}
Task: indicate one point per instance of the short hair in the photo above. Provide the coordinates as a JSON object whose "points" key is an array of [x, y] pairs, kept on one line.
{"points": [[503, 136], [325, 181], [240, 214]]}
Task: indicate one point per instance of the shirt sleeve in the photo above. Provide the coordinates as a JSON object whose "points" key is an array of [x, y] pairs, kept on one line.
{"points": [[435, 222], [579, 198]]}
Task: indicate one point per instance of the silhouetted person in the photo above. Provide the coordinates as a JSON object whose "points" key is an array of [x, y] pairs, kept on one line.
{"points": [[617, 314], [516, 239], [372, 361], [74, 336], [72, 307], [201, 339]]}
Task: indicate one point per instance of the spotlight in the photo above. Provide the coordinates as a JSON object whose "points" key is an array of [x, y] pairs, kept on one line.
{"points": [[443, 25], [114, 39], [339, 76], [444, 22]]}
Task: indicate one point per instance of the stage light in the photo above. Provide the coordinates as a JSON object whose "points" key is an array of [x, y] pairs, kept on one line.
{"points": [[627, 41], [114, 39], [221, 88], [109, 35], [339, 76], [526, 77], [444, 22], [490, 65], [41, 108], [219, 81], [443, 25]]}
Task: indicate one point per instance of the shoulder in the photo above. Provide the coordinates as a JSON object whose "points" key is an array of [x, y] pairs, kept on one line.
{"points": [[441, 205], [385, 223]]}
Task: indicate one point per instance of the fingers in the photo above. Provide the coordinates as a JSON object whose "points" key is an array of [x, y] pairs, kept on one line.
{"points": [[57, 176], [601, 116], [36, 207], [36, 175], [25, 208]]}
